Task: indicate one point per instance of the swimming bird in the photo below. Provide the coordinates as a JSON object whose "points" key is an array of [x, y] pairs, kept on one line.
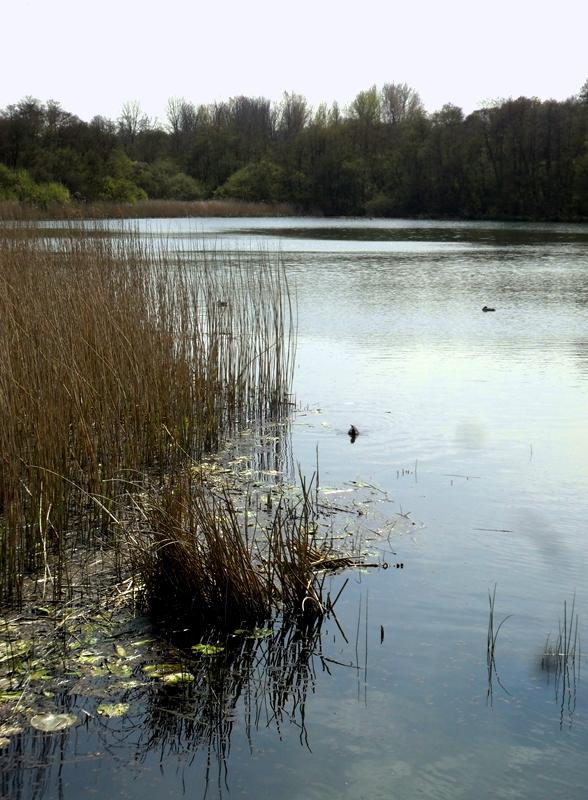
{"points": [[353, 433], [487, 308]]}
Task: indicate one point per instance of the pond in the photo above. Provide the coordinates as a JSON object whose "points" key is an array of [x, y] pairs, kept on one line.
{"points": [[473, 435]]}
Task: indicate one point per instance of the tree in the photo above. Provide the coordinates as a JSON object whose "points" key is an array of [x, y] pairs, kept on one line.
{"points": [[293, 115], [132, 121], [366, 107], [399, 102]]}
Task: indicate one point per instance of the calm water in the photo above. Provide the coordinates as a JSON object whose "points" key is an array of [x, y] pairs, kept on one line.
{"points": [[475, 426]]}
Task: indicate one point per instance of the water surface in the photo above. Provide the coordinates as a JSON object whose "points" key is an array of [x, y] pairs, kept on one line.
{"points": [[474, 425]]}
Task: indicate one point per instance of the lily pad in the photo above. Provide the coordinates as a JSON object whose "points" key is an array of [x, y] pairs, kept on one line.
{"points": [[120, 670], [142, 642], [208, 649], [88, 657], [51, 723], [178, 677], [256, 633], [159, 670], [112, 709], [126, 685]]}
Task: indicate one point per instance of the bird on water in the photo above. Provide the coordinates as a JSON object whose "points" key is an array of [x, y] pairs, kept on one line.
{"points": [[487, 308], [353, 433]]}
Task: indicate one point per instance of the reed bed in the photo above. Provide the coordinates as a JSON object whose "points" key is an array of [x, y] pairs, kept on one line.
{"points": [[144, 209], [121, 358]]}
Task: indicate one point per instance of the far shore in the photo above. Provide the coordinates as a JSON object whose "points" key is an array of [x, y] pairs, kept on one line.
{"points": [[170, 209]]}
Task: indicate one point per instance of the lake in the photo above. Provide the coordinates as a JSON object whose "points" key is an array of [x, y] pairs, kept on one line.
{"points": [[474, 441]]}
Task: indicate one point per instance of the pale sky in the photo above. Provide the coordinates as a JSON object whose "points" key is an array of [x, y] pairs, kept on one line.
{"points": [[94, 56]]}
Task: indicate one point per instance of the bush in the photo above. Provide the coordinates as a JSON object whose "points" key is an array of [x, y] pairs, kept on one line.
{"points": [[18, 185], [183, 187], [120, 190], [161, 180], [261, 181]]}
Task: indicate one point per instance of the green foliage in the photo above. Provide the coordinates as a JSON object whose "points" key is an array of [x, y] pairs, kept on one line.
{"points": [[120, 190], [262, 181], [18, 185], [162, 180], [517, 158]]}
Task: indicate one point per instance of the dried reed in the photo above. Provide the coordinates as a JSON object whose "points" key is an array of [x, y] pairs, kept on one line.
{"points": [[204, 559], [121, 357], [144, 209]]}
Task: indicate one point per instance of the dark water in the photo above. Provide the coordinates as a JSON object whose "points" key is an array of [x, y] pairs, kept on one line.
{"points": [[474, 424]]}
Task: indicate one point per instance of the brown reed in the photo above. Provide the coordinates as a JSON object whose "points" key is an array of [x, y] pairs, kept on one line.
{"points": [[120, 357], [144, 209], [204, 559]]}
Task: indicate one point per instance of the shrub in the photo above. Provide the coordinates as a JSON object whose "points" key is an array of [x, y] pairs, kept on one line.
{"points": [[261, 181]]}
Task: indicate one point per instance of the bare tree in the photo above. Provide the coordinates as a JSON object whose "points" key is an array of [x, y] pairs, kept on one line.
{"points": [[132, 121], [400, 102], [293, 114]]}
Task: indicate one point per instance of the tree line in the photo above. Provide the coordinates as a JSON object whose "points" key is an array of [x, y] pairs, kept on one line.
{"points": [[383, 155]]}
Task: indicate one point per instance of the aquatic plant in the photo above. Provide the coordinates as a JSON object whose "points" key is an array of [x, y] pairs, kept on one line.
{"points": [[561, 658], [142, 209], [208, 555], [121, 358], [491, 639]]}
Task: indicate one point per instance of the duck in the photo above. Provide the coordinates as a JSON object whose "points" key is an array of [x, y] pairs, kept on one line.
{"points": [[353, 433], [487, 308]]}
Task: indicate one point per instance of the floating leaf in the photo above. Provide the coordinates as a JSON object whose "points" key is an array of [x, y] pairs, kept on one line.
{"points": [[260, 633], [142, 642], [96, 672], [4, 742], [112, 709], [88, 657], [51, 723], [256, 633], [125, 685], [178, 677], [121, 670], [208, 649], [159, 670], [120, 651]]}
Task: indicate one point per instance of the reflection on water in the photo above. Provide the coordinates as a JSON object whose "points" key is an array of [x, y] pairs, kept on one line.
{"points": [[185, 719], [474, 425]]}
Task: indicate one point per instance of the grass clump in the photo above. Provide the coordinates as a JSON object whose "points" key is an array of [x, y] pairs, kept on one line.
{"points": [[215, 558]]}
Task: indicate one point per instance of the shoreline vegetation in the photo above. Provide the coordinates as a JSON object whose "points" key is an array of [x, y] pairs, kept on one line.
{"points": [[142, 209], [145, 404], [126, 367], [123, 365], [382, 156]]}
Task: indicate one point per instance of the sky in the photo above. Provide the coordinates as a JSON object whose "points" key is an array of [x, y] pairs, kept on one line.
{"points": [[92, 57]]}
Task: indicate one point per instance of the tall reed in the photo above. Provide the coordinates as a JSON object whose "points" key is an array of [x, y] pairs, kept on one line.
{"points": [[144, 209], [121, 356], [204, 556]]}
